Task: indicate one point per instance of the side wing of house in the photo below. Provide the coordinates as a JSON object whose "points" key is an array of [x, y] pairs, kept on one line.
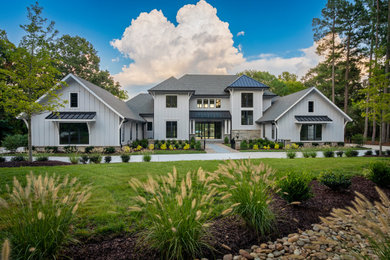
{"points": [[84, 120]]}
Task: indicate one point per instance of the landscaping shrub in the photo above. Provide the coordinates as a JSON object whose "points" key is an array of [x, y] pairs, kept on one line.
{"points": [[198, 146], [89, 149], [306, 154], [351, 153], [125, 158], [74, 159], [387, 152], [340, 143], [244, 145], [144, 143], [328, 153], [70, 149], [41, 158], [314, 144], [107, 159], [163, 146], [109, 150], [340, 153], [295, 187], [226, 140], [377, 152], [18, 158], [147, 158], [175, 213], [2, 159], [313, 154], [379, 172], [300, 144], [358, 139], [291, 154], [12, 142], [51, 149], [248, 186], [368, 152], [335, 180], [39, 215], [84, 159], [97, 158]]}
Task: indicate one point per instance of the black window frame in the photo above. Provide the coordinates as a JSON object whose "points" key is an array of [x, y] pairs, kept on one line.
{"points": [[171, 129], [149, 126], [246, 118], [199, 105], [67, 128], [72, 100], [317, 134], [310, 106], [246, 99], [218, 103], [171, 101]]}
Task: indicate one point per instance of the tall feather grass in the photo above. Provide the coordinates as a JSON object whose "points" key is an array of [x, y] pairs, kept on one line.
{"points": [[176, 212], [5, 251], [248, 187], [38, 215]]}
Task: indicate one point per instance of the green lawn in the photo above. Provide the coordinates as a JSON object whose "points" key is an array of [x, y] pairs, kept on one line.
{"points": [[307, 149], [106, 211]]}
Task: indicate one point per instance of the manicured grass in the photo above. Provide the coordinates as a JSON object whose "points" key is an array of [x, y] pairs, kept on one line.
{"points": [[305, 149], [107, 209]]}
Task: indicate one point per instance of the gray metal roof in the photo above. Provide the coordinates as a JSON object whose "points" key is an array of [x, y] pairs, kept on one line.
{"points": [[281, 105], [195, 114], [246, 82], [141, 104], [313, 119], [72, 115], [115, 103]]}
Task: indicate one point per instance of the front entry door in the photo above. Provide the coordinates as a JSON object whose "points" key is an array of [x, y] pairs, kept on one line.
{"points": [[208, 130]]}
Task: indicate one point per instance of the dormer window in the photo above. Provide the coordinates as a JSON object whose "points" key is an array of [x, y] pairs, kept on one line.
{"points": [[74, 100], [311, 106]]}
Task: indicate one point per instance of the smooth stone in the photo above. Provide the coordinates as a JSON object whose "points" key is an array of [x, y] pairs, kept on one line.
{"points": [[228, 257]]}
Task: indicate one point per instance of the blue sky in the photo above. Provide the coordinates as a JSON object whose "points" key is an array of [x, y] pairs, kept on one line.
{"points": [[280, 28]]}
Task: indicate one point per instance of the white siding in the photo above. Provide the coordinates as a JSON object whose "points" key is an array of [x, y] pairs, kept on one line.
{"points": [[103, 132], [332, 132], [235, 102], [266, 103], [225, 103], [162, 114]]}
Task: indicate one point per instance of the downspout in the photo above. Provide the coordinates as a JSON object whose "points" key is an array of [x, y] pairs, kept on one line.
{"points": [[277, 130], [121, 121]]}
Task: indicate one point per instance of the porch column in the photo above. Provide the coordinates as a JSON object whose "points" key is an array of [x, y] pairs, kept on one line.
{"points": [[225, 126], [193, 127]]}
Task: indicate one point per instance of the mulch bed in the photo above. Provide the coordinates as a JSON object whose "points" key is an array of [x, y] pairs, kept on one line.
{"points": [[230, 233], [35, 163]]}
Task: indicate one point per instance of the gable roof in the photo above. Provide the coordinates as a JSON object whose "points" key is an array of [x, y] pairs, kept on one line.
{"points": [[283, 104], [115, 104], [142, 104], [246, 82]]}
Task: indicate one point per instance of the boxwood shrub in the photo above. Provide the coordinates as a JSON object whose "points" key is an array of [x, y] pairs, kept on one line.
{"points": [[379, 172], [295, 186], [125, 158], [340, 153], [335, 180], [328, 153], [351, 153], [368, 152]]}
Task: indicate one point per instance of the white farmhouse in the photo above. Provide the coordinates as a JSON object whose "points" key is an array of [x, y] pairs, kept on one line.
{"points": [[208, 107]]}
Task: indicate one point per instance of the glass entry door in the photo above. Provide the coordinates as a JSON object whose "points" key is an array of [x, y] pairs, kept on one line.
{"points": [[208, 130]]}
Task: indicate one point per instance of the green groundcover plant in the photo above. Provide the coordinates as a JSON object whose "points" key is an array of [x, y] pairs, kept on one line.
{"points": [[294, 187]]}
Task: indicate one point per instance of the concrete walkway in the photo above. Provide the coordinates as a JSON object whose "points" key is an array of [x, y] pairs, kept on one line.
{"points": [[199, 156], [219, 148]]}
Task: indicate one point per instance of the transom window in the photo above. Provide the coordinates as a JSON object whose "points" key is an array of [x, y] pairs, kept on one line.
{"points": [[171, 129], [208, 103], [171, 101], [311, 132], [310, 106], [246, 117], [246, 99], [74, 133], [74, 100]]}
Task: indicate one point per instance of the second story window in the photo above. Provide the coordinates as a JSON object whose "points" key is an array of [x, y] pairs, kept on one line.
{"points": [[218, 103], [246, 99], [205, 103], [171, 101], [74, 100], [199, 103], [311, 106], [212, 105]]}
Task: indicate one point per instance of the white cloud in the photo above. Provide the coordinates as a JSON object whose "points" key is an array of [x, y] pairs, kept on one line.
{"points": [[242, 33], [276, 65], [200, 43], [115, 60], [240, 47]]}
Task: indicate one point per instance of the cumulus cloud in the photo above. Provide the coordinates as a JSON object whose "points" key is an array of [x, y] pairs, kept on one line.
{"points": [[242, 33], [274, 64], [200, 43], [115, 60]]}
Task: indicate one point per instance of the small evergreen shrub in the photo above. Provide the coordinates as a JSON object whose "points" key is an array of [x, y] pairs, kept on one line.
{"points": [[89, 149], [226, 140], [107, 159], [340, 153], [387, 152], [368, 152], [18, 158], [306, 154], [351, 153], [70, 149], [144, 143], [51, 149], [97, 158], [376, 152], [358, 139], [291, 154], [313, 154], [2, 159], [109, 150], [74, 159], [335, 180], [328, 153], [244, 145], [147, 158], [315, 144], [12, 142], [84, 159], [295, 187], [198, 146], [125, 158], [300, 144], [379, 172], [340, 143], [41, 158]]}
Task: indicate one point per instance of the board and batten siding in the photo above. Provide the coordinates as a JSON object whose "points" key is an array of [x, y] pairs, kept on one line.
{"points": [[331, 132], [103, 132], [129, 132], [162, 114]]}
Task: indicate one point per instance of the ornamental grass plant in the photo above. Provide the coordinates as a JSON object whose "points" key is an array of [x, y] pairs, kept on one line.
{"points": [[37, 216]]}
